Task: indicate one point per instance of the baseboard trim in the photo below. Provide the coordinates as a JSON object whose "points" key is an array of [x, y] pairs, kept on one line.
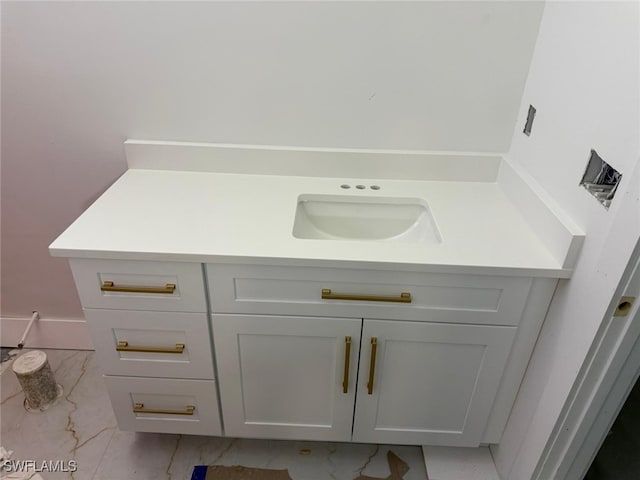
{"points": [[46, 333]]}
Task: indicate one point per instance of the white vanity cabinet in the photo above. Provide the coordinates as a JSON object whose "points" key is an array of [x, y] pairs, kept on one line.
{"points": [[221, 314], [148, 322], [426, 372], [315, 353]]}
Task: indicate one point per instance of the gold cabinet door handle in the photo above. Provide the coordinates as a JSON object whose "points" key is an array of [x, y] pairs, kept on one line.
{"points": [[347, 361], [139, 408], [372, 365], [404, 297], [124, 346], [107, 286]]}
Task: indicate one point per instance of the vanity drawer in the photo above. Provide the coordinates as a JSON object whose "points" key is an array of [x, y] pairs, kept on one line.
{"points": [[165, 405], [151, 344], [136, 285], [446, 298]]}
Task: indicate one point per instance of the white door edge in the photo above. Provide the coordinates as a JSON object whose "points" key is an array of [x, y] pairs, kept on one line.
{"points": [[607, 376]]}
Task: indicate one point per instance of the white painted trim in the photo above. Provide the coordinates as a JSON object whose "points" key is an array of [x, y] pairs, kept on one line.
{"points": [[46, 333], [312, 162], [456, 463], [601, 388]]}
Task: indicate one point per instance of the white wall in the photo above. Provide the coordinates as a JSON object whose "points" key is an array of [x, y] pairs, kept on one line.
{"points": [[584, 81], [78, 78]]}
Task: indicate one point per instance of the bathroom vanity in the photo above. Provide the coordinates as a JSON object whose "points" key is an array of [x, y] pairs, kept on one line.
{"points": [[340, 295]]}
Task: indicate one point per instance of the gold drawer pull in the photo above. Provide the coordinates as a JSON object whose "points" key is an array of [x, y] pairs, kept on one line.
{"points": [[372, 365], [347, 361], [169, 288], [405, 297], [139, 408], [124, 347]]}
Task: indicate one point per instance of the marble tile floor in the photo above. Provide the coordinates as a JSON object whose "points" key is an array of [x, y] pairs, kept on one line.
{"points": [[80, 426]]}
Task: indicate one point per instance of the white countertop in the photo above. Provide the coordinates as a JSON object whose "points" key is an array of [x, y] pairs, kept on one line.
{"points": [[200, 216]]}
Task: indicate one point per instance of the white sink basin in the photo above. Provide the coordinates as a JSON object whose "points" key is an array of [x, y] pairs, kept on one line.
{"points": [[342, 217]]}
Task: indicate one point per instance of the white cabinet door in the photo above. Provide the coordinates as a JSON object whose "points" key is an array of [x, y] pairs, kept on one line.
{"points": [[287, 377], [431, 384]]}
